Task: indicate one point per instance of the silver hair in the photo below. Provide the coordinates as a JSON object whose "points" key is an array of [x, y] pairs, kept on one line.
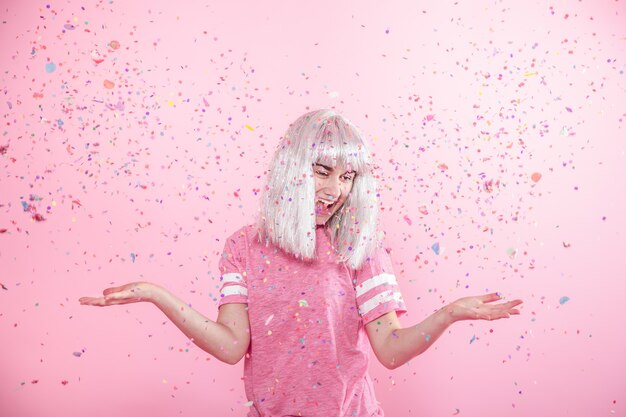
{"points": [[287, 213]]}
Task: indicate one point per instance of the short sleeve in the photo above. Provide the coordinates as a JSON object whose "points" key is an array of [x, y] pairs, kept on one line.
{"points": [[232, 272], [377, 291]]}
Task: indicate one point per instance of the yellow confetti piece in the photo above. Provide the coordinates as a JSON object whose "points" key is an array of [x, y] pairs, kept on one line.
{"points": [[250, 128], [530, 74]]}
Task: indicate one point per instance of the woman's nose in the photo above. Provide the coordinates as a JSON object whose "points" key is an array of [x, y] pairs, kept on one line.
{"points": [[333, 188]]}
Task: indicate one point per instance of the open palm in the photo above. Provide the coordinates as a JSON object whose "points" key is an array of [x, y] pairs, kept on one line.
{"points": [[479, 308]]}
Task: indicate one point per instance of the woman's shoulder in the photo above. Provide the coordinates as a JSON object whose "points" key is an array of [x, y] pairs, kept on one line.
{"points": [[244, 234]]}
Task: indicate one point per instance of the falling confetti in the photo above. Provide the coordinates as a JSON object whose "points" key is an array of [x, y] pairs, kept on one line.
{"points": [[563, 300]]}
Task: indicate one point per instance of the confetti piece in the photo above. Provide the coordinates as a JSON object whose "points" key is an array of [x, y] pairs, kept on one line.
{"points": [[535, 177], [77, 354], [435, 248], [3, 287], [407, 220], [512, 252], [132, 256], [563, 299], [50, 67], [472, 339], [423, 210], [114, 45], [96, 57], [267, 321], [108, 84], [69, 26], [427, 338], [64, 382], [248, 404], [250, 128], [303, 303]]}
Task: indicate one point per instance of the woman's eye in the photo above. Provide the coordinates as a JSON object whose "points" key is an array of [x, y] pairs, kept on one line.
{"points": [[348, 178], [322, 173]]}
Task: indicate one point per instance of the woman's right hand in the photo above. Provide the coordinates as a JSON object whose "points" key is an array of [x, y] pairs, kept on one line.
{"points": [[130, 293]]}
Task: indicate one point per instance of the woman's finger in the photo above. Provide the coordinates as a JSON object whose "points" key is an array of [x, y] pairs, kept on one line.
{"points": [[115, 289], [92, 301], [488, 298]]}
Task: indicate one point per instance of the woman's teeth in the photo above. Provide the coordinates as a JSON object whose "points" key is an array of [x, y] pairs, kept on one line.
{"points": [[326, 203]]}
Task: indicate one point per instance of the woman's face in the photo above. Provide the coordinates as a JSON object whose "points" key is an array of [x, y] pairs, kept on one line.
{"points": [[332, 186]]}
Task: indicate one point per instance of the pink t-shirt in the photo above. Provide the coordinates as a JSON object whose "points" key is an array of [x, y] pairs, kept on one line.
{"points": [[309, 351]]}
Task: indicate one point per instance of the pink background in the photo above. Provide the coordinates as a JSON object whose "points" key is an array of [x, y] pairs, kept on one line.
{"points": [[138, 167]]}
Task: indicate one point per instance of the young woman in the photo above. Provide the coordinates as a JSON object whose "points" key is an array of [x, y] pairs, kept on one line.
{"points": [[309, 287]]}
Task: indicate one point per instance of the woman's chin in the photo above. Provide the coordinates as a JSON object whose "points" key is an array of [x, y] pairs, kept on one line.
{"points": [[321, 220]]}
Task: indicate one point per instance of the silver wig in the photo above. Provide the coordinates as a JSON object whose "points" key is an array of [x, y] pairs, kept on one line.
{"points": [[287, 213]]}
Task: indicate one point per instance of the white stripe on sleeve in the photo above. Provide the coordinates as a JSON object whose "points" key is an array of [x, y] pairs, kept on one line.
{"points": [[379, 299], [234, 290], [232, 277], [381, 279]]}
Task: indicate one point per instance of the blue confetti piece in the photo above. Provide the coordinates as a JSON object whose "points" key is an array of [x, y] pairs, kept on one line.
{"points": [[435, 248], [472, 339], [51, 67], [132, 256], [563, 299]]}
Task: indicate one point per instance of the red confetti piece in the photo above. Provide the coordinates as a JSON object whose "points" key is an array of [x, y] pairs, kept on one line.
{"points": [[535, 177]]}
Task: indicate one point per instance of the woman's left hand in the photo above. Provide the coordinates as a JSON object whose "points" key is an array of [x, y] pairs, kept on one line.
{"points": [[477, 308]]}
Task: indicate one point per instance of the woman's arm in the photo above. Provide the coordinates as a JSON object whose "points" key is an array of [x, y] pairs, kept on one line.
{"points": [[227, 339], [394, 345]]}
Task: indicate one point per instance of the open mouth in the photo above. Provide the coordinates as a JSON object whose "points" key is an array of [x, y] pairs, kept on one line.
{"points": [[324, 207]]}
